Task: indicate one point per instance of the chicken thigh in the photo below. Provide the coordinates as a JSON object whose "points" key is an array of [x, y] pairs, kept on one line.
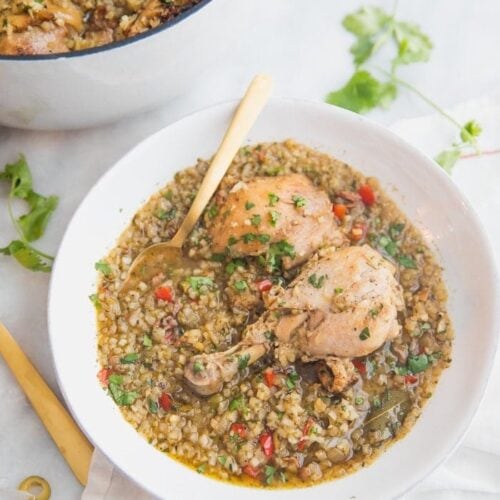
{"points": [[270, 210], [341, 306]]}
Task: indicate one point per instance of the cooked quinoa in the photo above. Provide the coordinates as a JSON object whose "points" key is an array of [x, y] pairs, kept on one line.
{"points": [[273, 425], [56, 26]]}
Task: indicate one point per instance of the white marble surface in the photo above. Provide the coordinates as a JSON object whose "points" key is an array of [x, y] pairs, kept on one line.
{"points": [[306, 51]]}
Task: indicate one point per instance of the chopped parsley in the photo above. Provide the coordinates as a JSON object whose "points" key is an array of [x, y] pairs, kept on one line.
{"points": [[395, 230], [198, 366], [417, 364], [233, 265], [146, 341], [103, 267], [240, 285], [197, 282], [249, 205], [95, 300], [317, 282], [273, 199], [166, 214], [365, 333], [274, 217], [338, 290], [261, 238], [232, 241], [276, 253], [222, 459], [255, 220], [269, 473], [237, 404], [130, 358], [121, 397], [243, 361], [298, 201], [201, 468], [291, 380], [152, 406], [218, 257], [213, 211], [407, 262]]}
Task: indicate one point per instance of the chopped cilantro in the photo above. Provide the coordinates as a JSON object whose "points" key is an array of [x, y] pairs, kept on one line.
{"points": [[95, 300], [243, 361], [298, 201], [222, 459], [365, 333], [269, 473], [197, 282], [130, 358], [201, 468], [218, 257], [249, 205], [166, 214], [407, 262], [240, 285], [291, 380], [232, 241], [146, 341], [152, 406], [273, 199], [103, 267], [273, 217], [213, 211], [255, 220], [317, 282]]}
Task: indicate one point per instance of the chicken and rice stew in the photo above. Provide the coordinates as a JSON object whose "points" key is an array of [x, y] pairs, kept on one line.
{"points": [[30, 27], [305, 336]]}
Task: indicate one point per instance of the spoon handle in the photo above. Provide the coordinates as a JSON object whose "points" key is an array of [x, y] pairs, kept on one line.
{"points": [[249, 109], [71, 442]]}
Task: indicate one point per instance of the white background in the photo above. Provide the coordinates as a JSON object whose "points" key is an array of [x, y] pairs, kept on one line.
{"points": [[299, 42]]}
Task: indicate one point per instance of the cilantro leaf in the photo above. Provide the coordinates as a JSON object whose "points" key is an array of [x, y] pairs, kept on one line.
{"points": [[362, 93], [33, 223], [470, 131], [448, 158], [20, 176], [367, 21], [103, 267], [27, 256], [362, 49], [413, 45]]}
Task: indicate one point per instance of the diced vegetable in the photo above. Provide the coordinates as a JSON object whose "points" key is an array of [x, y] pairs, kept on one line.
{"points": [[359, 365], [358, 231], [251, 471], [264, 285], [340, 210], [367, 195], [267, 444], [411, 379], [164, 293], [239, 429], [165, 401], [270, 377], [103, 376], [417, 364]]}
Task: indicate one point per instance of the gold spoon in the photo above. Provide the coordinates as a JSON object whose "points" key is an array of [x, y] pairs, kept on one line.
{"points": [[70, 440], [159, 256]]}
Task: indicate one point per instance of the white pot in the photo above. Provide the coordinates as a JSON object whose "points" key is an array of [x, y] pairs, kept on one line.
{"points": [[101, 85]]}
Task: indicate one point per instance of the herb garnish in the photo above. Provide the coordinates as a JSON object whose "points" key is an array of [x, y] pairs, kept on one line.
{"points": [[240, 285], [317, 282], [152, 406], [276, 253], [103, 267], [166, 214], [273, 199], [365, 333], [255, 220], [233, 265], [373, 29], [197, 282], [146, 341], [198, 366], [243, 361], [121, 397], [291, 380], [94, 298], [213, 211], [298, 201], [269, 473], [249, 205], [273, 217], [261, 238], [31, 225], [130, 358]]}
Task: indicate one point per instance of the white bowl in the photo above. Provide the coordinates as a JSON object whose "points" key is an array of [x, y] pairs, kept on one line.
{"points": [[424, 193]]}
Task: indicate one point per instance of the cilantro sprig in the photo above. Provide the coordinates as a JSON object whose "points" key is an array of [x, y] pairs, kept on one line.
{"points": [[374, 28], [31, 225]]}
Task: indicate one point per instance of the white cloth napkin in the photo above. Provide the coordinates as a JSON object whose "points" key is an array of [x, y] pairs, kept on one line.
{"points": [[473, 471]]}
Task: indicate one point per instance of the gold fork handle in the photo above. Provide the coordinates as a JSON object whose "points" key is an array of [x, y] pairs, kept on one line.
{"points": [[248, 110], [71, 442]]}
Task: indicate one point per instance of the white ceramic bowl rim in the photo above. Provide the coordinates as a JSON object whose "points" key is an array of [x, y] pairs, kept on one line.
{"points": [[427, 168], [113, 45]]}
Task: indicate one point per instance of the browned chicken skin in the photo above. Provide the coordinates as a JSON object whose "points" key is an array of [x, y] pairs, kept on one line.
{"points": [[273, 209], [341, 306]]}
